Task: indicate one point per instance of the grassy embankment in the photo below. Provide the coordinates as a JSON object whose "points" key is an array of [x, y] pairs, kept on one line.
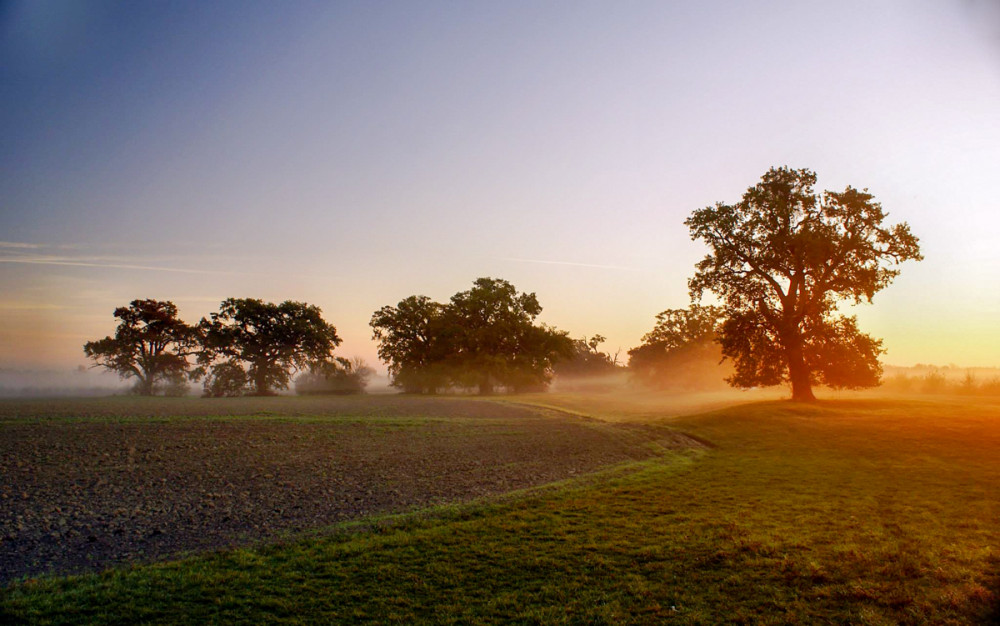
{"points": [[853, 511]]}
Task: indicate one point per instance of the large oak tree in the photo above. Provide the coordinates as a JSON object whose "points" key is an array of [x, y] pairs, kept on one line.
{"points": [[494, 338], [484, 338], [273, 340], [151, 344], [780, 261]]}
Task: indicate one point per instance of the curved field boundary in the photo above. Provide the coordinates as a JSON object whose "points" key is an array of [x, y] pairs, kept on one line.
{"points": [[92, 484]]}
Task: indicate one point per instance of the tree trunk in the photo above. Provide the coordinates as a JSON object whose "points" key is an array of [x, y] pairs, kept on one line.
{"points": [[798, 372], [145, 386], [486, 386], [260, 384]]}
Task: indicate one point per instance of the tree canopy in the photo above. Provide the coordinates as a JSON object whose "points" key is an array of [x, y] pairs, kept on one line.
{"points": [[410, 339], [150, 344], [484, 337], [681, 352], [273, 340], [587, 359], [780, 261]]}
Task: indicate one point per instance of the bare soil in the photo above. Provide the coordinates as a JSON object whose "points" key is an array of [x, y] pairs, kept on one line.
{"points": [[90, 484]]}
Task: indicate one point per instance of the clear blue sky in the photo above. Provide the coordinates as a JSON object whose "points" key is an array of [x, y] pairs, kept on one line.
{"points": [[350, 154]]}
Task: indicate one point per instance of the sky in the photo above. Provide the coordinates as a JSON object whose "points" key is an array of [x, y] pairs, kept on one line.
{"points": [[350, 154]]}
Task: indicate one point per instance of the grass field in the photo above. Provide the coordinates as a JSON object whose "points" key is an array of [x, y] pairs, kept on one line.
{"points": [[867, 511]]}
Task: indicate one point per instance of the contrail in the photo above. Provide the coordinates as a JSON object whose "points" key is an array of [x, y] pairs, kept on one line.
{"points": [[603, 267], [123, 266]]}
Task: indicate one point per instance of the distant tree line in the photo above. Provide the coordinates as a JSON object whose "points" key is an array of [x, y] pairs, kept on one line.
{"points": [[780, 262], [950, 379], [249, 347]]}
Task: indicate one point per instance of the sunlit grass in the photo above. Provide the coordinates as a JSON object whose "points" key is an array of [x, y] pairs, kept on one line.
{"points": [[852, 511], [622, 403]]}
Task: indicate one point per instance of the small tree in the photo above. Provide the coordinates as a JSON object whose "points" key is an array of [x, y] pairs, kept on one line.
{"points": [[272, 339], [226, 380], [340, 377], [151, 344], [586, 359], [781, 260], [681, 351]]}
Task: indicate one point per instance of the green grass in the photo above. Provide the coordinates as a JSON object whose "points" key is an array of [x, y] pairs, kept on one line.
{"points": [[866, 511]]}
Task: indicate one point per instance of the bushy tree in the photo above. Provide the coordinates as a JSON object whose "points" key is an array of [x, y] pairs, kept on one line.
{"points": [[681, 350], [273, 340], [227, 379], [494, 340], [410, 339], [484, 337], [151, 344], [339, 377], [781, 260]]}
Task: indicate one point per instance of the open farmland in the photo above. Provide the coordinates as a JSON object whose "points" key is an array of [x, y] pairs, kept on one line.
{"points": [[868, 511], [92, 483]]}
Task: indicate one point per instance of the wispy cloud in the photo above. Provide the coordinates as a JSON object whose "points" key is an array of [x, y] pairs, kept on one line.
{"points": [[127, 256], [102, 263], [17, 305], [574, 264]]}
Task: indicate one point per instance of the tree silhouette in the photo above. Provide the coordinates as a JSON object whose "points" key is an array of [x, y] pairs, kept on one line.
{"points": [[227, 379], [150, 344], [410, 339], [484, 337], [272, 339], [587, 360], [338, 377], [781, 260], [495, 341], [681, 351]]}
